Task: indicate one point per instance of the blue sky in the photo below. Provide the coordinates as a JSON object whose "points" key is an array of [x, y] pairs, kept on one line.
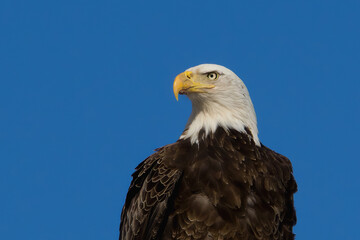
{"points": [[86, 94]]}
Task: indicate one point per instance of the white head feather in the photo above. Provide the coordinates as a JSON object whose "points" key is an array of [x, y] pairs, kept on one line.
{"points": [[227, 105]]}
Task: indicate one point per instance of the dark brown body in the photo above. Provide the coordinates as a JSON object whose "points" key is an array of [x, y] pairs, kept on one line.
{"points": [[225, 187]]}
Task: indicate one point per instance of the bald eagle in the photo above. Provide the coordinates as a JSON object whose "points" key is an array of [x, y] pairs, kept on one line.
{"points": [[217, 181]]}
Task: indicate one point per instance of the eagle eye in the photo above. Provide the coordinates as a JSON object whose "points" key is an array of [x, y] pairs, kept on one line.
{"points": [[213, 75]]}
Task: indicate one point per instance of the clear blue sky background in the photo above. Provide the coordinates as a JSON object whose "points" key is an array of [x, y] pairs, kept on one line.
{"points": [[86, 94]]}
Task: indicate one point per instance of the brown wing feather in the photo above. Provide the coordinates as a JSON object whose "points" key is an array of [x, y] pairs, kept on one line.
{"points": [[149, 199]]}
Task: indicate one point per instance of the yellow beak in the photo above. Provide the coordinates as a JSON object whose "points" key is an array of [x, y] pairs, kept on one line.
{"points": [[184, 83]]}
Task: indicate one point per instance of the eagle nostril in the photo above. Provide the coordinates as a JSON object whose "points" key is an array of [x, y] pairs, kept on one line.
{"points": [[188, 74]]}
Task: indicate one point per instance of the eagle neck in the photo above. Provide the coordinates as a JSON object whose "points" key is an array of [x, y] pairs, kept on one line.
{"points": [[207, 118]]}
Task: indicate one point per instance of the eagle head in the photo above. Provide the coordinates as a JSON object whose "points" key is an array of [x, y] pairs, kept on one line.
{"points": [[219, 99]]}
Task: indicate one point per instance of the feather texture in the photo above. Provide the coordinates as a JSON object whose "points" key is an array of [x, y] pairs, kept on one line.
{"points": [[224, 187]]}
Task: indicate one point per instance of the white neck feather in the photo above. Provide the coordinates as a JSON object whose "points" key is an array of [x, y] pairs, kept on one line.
{"points": [[213, 115]]}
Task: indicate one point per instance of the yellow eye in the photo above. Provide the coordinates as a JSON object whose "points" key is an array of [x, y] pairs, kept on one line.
{"points": [[213, 75]]}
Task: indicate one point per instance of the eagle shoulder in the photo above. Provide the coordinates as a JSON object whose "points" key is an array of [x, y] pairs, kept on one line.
{"points": [[150, 198]]}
